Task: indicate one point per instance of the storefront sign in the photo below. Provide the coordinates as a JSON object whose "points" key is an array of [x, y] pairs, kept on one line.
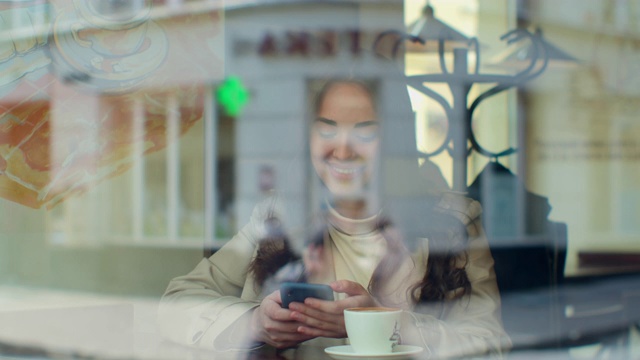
{"points": [[326, 43]]}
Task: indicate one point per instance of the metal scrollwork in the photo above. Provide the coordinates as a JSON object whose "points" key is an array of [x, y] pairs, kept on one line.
{"points": [[460, 81]]}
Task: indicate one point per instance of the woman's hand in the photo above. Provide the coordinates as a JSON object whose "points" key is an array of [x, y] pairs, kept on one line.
{"points": [[274, 325], [325, 318]]}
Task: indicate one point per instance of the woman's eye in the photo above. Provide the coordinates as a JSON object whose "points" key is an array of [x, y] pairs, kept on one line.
{"points": [[367, 135], [328, 134], [326, 131]]}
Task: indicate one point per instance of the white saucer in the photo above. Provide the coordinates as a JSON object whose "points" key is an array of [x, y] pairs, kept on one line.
{"points": [[345, 352]]}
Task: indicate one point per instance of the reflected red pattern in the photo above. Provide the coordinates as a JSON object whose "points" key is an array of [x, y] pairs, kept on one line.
{"points": [[53, 153], [59, 139]]}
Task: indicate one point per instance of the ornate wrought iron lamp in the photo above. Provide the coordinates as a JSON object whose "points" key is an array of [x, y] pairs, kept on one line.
{"points": [[460, 140]]}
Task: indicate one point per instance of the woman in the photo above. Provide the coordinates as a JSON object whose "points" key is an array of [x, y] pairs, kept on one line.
{"points": [[374, 246]]}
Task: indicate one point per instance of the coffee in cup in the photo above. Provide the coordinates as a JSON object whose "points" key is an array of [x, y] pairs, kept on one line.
{"points": [[373, 330]]}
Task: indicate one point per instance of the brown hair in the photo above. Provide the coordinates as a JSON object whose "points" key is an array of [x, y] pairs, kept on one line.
{"points": [[274, 252], [446, 262], [318, 98]]}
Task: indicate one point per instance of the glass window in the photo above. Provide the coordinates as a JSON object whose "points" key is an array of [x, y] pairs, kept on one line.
{"points": [[140, 138]]}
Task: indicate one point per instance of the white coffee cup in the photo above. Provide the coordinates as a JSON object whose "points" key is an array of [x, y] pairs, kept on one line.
{"points": [[373, 330]]}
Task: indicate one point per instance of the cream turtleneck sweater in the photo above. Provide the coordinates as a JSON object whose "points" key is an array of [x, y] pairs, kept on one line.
{"points": [[355, 247]]}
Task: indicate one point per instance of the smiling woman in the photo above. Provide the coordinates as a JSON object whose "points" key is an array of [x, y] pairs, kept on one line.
{"points": [[373, 240]]}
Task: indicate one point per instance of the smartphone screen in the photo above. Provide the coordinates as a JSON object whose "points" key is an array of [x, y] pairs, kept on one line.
{"points": [[297, 292]]}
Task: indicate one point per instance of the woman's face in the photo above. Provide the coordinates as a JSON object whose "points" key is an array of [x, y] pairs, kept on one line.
{"points": [[345, 139]]}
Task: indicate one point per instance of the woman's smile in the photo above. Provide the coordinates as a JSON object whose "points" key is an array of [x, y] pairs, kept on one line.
{"points": [[345, 170]]}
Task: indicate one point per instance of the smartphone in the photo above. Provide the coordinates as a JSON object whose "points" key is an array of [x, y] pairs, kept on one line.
{"points": [[290, 292]]}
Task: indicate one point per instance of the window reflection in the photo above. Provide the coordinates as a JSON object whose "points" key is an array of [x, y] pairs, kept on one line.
{"points": [[119, 169]]}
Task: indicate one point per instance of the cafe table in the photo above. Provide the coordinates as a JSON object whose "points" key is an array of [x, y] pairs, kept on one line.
{"points": [[37, 323]]}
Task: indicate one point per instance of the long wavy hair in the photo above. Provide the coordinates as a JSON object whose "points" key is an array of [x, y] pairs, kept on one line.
{"points": [[447, 236], [447, 239]]}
